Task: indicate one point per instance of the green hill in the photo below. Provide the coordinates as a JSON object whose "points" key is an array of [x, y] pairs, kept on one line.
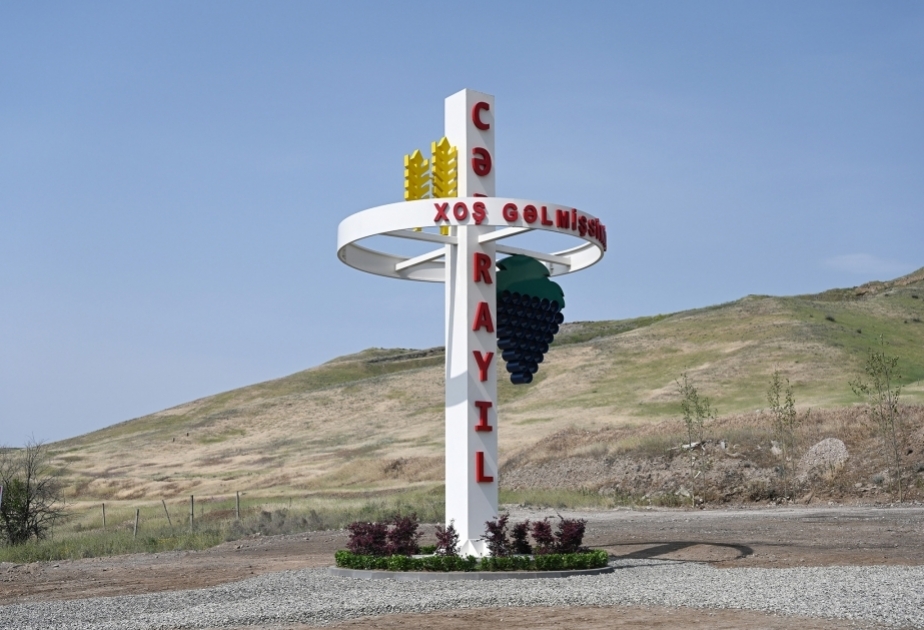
{"points": [[373, 420]]}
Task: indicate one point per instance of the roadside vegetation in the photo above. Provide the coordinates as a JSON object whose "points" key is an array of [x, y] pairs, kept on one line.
{"points": [[83, 534], [30, 494]]}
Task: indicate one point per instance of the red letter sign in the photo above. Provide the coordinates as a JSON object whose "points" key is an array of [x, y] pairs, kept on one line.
{"points": [[483, 318], [482, 267], [479, 107], [480, 477], [484, 362], [481, 161], [483, 406], [441, 209]]}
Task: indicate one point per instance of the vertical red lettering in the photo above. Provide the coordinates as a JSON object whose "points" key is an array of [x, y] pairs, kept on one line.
{"points": [[481, 161], [483, 318], [482, 267], [545, 217], [484, 363], [573, 219], [479, 107], [480, 477], [582, 225], [483, 406]]}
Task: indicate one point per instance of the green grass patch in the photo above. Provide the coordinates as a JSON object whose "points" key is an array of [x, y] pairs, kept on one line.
{"points": [[560, 498], [96, 544], [579, 332]]}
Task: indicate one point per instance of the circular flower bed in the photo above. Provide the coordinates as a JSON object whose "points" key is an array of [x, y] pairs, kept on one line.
{"points": [[378, 547]]}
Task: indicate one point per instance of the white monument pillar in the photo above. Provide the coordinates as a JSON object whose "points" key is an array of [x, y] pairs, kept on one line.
{"points": [[471, 340], [479, 226]]}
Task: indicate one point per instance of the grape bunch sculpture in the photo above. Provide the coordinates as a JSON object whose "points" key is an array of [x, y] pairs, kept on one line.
{"points": [[528, 315]]}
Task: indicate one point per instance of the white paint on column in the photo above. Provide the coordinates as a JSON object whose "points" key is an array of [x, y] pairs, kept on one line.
{"points": [[469, 504]]}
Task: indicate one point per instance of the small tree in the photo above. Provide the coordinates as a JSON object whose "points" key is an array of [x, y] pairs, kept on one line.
{"points": [[447, 540], [879, 385], [542, 535], [696, 411], [368, 539], [519, 534], [32, 501], [495, 534], [569, 535], [403, 537], [783, 417]]}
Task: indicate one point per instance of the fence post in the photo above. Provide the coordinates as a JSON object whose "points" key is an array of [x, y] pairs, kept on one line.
{"points": [[237, 506], [169, 522], [104, 517], [192, 512], [137, 513]]}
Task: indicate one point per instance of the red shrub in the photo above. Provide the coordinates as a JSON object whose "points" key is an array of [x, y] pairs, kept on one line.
{"points": [[403, 536], [569, 535], [520, 533], [542, 536], [495, 534], [447, 540], [368, 539]]}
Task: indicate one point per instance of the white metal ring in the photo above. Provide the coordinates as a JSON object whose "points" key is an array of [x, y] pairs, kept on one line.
{"points": [[400, 219]]}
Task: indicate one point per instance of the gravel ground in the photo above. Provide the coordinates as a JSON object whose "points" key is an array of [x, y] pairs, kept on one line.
{"points": [[889, 595]]}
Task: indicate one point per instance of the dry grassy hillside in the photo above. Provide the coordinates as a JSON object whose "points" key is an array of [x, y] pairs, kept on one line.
{"points": [[373, 421]]}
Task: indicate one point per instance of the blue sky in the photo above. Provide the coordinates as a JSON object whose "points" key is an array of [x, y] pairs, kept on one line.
{"points": [[172, 174]]}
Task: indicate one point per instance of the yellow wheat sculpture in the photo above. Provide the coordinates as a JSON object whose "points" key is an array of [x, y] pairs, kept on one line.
{"points": [[444, 175], [416, 176], [438, 177]]}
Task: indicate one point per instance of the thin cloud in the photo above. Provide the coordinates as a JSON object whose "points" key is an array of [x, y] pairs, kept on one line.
{"points": [[867, 264]]}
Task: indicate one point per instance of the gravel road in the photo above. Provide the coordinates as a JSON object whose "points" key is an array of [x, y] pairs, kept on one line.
{"points": [[890, 595]]}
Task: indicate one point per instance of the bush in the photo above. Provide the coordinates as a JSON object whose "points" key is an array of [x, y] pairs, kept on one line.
{"points": [[572, 561], [569, 535], [375, 539], [368, 539], [551, 562], [447, 540], [495, 534], [508, 563], [31, 491], [348, 560], [403, 536], [519, 533], [542, 535]]}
